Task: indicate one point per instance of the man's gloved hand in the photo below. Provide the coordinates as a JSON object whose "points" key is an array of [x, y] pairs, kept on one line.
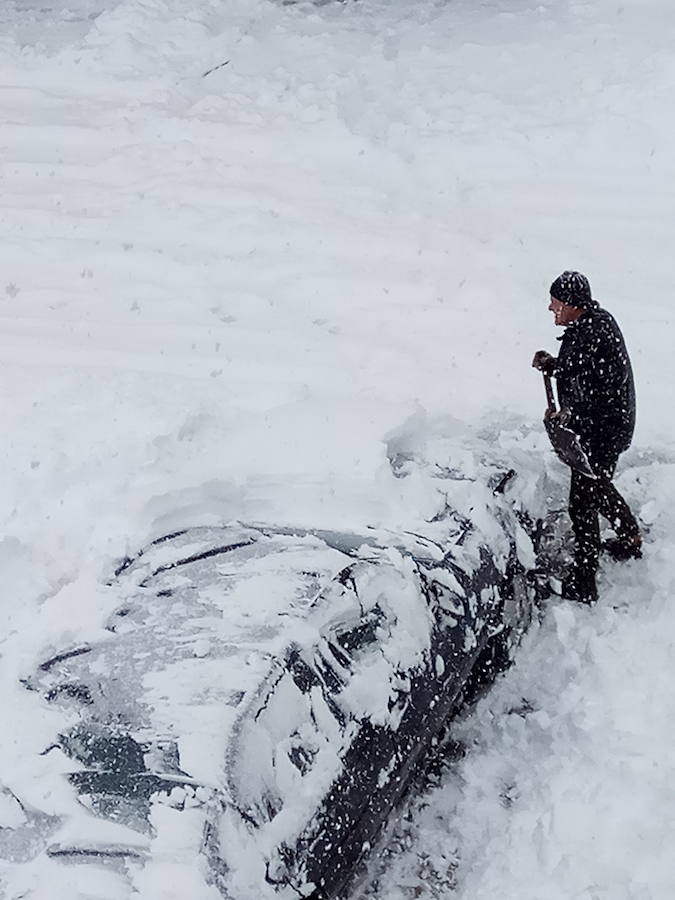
{"points": [[561, 417], [544, 362]]}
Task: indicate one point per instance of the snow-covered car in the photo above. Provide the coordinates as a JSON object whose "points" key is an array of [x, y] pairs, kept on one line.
{"points": [[282, 686]]}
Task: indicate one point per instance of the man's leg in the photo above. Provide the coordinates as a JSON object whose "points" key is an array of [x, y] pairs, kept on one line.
{"points": [[583, 510], [614, 508], [617, 512]]}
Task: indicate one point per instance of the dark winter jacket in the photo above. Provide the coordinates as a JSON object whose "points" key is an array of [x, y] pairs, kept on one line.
{"points": [[595, 382]]}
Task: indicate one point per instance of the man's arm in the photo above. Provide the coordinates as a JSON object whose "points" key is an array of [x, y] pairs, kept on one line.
{"points": [[597, 373]]}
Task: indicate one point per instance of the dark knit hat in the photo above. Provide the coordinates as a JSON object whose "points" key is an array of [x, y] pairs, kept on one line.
{"points": [[572, 288]]}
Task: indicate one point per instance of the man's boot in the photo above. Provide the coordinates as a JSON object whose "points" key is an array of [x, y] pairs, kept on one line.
{"points": [[579, 586], [622, 548]]}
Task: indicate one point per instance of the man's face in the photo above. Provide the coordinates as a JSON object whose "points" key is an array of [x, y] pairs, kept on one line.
{"points": [[563, 313]]}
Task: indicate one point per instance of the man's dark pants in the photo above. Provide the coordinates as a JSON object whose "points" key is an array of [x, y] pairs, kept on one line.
{"points": [[590, 497]]}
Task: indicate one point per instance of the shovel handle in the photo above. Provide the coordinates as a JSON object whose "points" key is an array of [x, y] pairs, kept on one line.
{"points": [[550, 398]]}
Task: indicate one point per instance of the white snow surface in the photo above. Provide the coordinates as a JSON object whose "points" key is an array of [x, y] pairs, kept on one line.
{"points": [[243, 242]]}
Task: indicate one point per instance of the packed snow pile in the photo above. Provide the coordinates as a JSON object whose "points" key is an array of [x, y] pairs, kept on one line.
{"points": [[241, 245]]}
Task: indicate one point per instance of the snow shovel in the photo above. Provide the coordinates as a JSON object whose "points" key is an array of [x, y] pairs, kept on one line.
{"points": [[565, 442]]}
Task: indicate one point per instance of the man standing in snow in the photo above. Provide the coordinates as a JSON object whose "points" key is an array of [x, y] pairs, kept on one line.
{"points": [[595, 383]]}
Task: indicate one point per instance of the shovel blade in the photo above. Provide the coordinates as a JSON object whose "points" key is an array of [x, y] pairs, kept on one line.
{"points": [[567, 447]]}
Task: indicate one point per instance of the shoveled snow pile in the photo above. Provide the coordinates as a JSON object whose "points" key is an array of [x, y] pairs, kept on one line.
{"points": [[241, 244]]}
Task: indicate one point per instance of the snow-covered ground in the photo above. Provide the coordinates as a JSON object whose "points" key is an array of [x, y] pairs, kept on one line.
{"points": [[240, 243], [566, 787]]}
